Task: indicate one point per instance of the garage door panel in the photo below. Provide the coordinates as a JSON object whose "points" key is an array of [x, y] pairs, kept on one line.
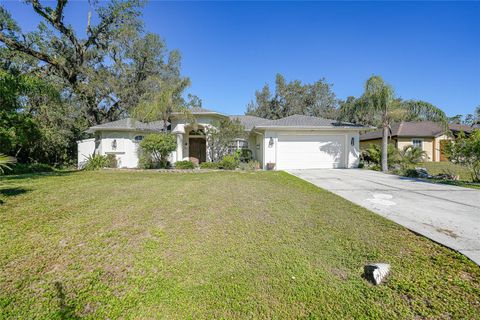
{"points": [[310, 151]]}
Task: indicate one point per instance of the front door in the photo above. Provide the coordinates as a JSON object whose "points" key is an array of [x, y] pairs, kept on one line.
{"points": [[443, 157], [197, 150]]}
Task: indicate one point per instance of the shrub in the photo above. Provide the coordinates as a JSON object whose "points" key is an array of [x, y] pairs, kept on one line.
{"points": [[411, 173], [221, 135], [372, 156], [96, 162], [145, 161], [244, 155], [466, 152], [112, 161], [209, 165], [229, 162], [6, 162], [411, 156], [184, 165], [249, 166], [159, 146], [22, 168]]}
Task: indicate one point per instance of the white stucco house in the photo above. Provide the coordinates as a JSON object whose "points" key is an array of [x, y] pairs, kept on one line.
{"points": [[294, 142]]}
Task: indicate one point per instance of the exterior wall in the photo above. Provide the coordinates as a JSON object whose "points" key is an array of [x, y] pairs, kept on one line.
{"points": [[85, 148], [252, 141], [351, 153], [269, 149], [365, 144], [430, 145], [126, 150], [259, 148], [427, 145]]}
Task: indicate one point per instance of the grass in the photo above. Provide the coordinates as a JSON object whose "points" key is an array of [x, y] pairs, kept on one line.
{"points": [[435, 168], [143, 245]]}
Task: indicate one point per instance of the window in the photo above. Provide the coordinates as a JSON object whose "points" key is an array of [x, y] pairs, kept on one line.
{"points": [[198, 132], [242, 144], [237, 145], [138, 138], [417, 143]]}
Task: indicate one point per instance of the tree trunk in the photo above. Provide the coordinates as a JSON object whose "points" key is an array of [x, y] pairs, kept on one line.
{"points": [[385, 148]]}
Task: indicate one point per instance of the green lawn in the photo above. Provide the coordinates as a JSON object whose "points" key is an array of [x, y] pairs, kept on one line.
{"points": [[435, 168], [143, 245], [442, 167]]}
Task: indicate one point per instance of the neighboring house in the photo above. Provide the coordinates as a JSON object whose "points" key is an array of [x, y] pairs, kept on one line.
{"points": [[294, 142], [426, 135]]}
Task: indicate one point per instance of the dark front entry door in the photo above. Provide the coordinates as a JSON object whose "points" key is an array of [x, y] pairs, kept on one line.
{"points": [[197, 150]]}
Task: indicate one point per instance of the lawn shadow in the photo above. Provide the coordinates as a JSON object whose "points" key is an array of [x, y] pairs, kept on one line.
{"points": [[12, 192], [65, 310]]}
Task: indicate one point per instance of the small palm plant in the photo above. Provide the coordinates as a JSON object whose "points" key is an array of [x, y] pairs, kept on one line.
{"points": [[411, 155], [373, 156], [6, 162]]}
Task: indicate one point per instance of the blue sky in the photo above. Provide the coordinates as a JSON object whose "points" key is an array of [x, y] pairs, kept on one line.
{"points": [[426, 50]]}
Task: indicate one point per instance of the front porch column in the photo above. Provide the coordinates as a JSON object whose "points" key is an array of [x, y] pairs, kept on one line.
{"points": [[179, 146]]}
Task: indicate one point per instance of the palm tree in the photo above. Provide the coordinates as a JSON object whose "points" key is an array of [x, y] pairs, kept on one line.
{"points": [[411, 155], [379, 101], [5, 162]]}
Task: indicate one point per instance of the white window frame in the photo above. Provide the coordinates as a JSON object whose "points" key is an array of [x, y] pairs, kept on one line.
{"points": [[235, 145], [416, 140]]}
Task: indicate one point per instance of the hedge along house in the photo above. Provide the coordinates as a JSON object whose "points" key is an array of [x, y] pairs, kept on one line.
{"points": [[294, 142], [426, 135]]}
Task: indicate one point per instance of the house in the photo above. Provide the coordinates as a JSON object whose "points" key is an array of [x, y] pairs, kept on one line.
{"points": [[426, 135], [294, 142]]}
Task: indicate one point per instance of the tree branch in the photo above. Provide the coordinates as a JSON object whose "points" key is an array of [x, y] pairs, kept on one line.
{"points": [[58, 15], [15, 45], [56, 20], [95, 33]]}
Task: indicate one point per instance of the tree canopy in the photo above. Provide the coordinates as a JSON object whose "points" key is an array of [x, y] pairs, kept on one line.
{"points": [[379, 106], [289, 98], [54, 84], [104, 73]]}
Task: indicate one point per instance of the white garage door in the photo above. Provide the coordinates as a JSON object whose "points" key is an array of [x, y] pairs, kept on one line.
{"points": [[310, 151]]}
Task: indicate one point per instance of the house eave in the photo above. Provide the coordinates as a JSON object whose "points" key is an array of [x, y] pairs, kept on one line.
{"points": [[200, 114], [293, 128], [93, 130]]}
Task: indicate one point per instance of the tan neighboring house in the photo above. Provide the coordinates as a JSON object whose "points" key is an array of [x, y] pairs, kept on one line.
{"points": [[427, 135]]}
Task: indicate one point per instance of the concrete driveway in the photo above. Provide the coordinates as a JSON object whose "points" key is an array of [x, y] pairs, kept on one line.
{"points": [[446, 214]]}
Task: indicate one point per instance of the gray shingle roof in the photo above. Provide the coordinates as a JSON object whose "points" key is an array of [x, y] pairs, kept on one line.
{"points": [[461, 127], [250, 122], [201, 110], [128, 124], [308, 121], [422, 129]]}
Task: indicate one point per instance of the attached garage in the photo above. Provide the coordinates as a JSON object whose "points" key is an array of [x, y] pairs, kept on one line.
{"points": [[313, 151], [305, 142]]}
